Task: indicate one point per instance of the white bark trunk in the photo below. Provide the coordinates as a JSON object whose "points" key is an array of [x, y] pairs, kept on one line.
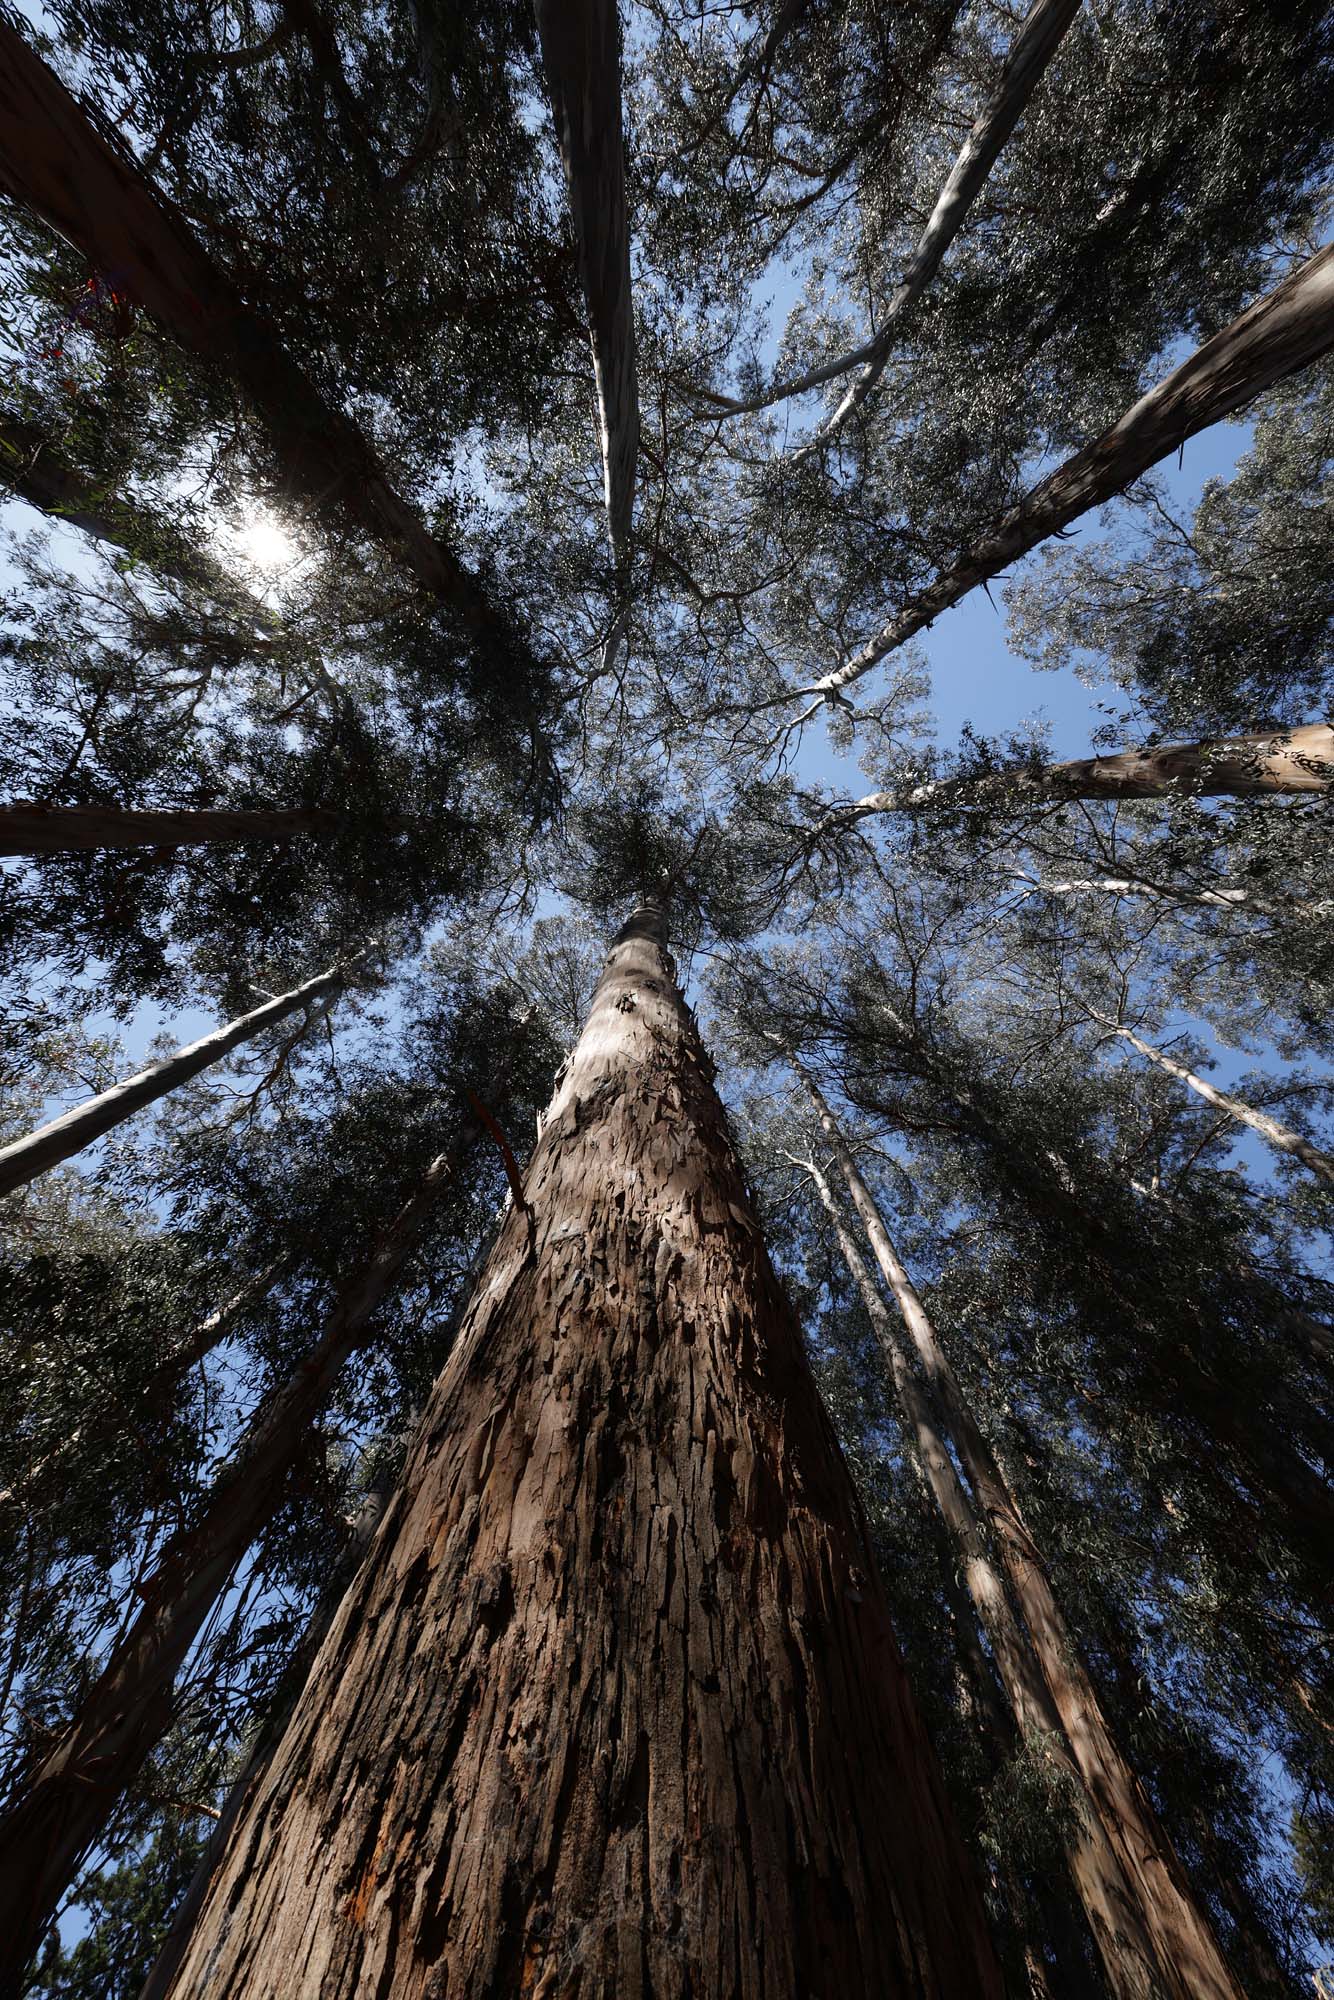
{"points": [[45, 1148], [1280, 1136], [1032, 49]]}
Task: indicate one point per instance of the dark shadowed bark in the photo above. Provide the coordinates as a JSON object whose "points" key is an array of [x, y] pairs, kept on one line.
{"points": [[582, 57], [33, 829], [37, 1152], [55, 163], [1190, 1965], [615, 1703], [1288, 329], [55, 1814]]}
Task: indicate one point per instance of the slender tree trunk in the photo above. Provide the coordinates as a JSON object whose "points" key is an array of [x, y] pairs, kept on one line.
{"points": [[1235, 900], [1031, 50], [31, 829], [1290, 761], [1099, 1878], [196, 1346], [55, 163], [45, 1148], [584, 1718], [1190, 1964], [582, 57], [54, 1817], [1286, 330], [1281, 1137]]}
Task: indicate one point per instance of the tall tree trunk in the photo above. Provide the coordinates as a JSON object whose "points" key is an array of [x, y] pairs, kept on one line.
{"points": [[55, 163], [585, 1716], [581, 54], [45, 1148], [1298, 760], [1286, 330], [59, 1811], [200, 1342], [33, 829], [1190, 1964], [1029, 53], [1281, 1137], [1098, 1875]]}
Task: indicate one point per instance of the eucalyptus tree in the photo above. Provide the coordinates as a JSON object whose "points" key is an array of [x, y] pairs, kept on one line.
{"points": [[607, 1172]]}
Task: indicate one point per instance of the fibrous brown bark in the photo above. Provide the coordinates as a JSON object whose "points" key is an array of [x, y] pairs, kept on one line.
{"points": [[37, 1152], [57, 1811], [614, 1705], [1190, 1965], [1286, 330], [1098, 1876], [1299, 760], [31, 829], [55, 163], [582, 57]]}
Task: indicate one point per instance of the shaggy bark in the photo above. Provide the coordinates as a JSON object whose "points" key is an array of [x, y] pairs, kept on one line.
{"points": [[582, 57], [1189, 1963], [1286, 330], [57, 1812], [1031, 50], [1299, 760], [55, 163], [1098, 1876], [1281, 1137], [587, 1715], [37, 1152], [32, 829]]}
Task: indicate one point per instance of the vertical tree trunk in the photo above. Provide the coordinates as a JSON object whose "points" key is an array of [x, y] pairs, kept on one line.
{"points": [[582, 57], [45, 1148], [615, 1703], [1286, 330], [1281, 1137], [1098, 1875], [29, 829], [54, 1816], [1190, 1964]]}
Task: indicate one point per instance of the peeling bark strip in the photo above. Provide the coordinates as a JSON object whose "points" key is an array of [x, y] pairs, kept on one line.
{"points": [[45, 1148], [1099, 1880], [615, 1704], [1291, 761], [582, 56], [1285, 331], [1190, 1965], [28, 829], [54, 162], [56, 1815]]}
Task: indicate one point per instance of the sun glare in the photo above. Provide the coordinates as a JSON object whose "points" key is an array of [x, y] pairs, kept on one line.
{"points": [[266, 545]]}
